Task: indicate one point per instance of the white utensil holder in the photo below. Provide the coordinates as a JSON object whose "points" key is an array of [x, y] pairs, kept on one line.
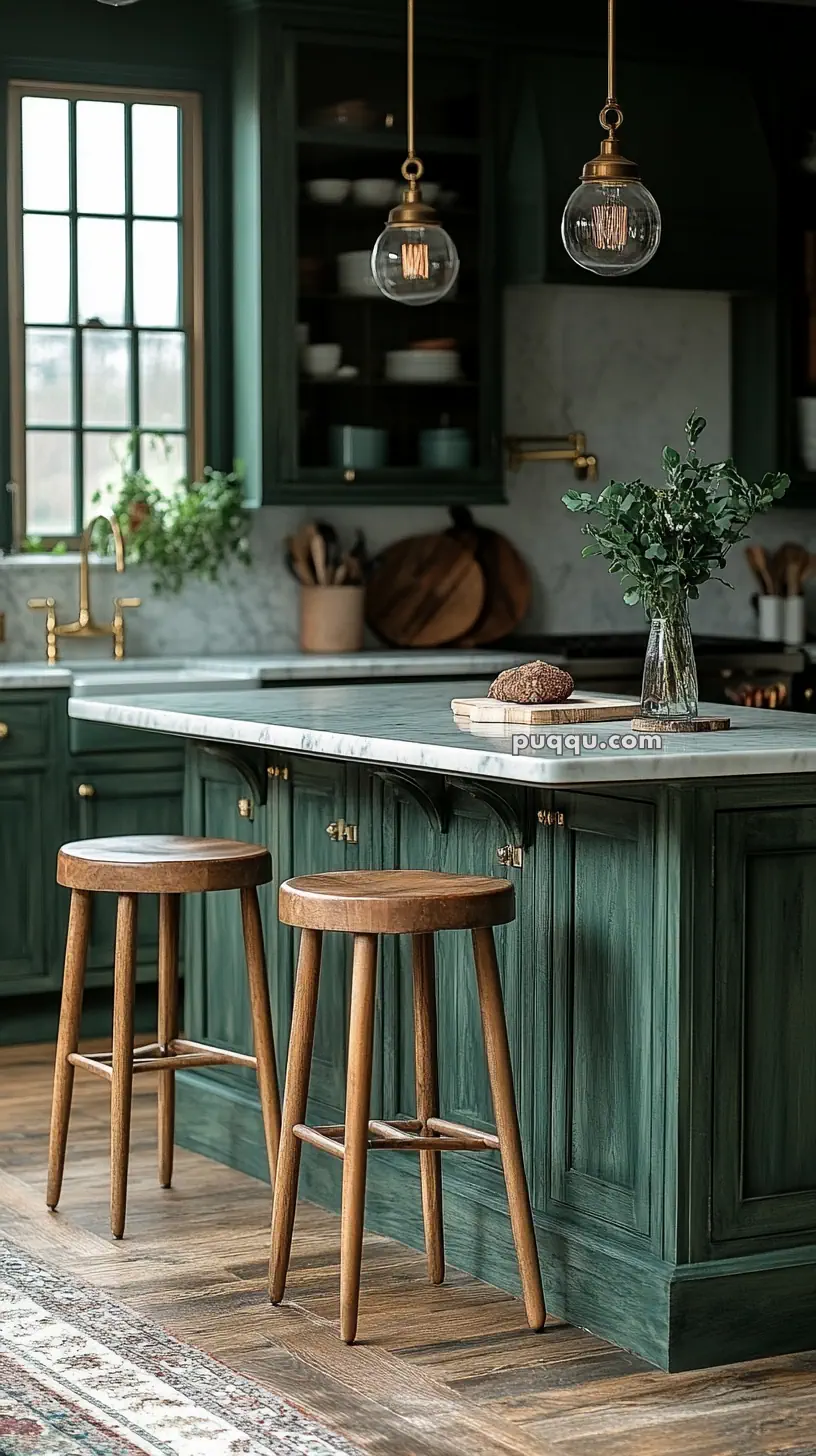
{"points": [[771, 618], [793, 621]]}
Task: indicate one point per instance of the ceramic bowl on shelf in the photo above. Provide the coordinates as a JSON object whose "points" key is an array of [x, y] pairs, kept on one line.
{"points": [[328, 190], [422, 366], [322, 361], [373, 191], [358, 447], [448, 448], [354, 275]]}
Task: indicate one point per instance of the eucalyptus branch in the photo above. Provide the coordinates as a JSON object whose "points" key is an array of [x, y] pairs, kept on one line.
{"points": [[666, 541]]}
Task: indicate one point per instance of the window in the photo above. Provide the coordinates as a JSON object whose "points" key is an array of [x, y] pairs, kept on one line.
{"points": [[105, 277]]}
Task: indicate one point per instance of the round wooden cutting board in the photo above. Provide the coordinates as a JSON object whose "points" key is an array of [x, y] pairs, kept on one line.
{"points": [[508, 588], [425, 591]]}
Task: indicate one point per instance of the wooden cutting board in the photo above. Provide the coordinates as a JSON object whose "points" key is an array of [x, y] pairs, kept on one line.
{"points": [[508, 587], [425, 591], [580, 708]]}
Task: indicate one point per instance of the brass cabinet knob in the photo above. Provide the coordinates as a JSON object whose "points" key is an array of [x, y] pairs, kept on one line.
{"points": [[246, 808], [86, 791], [275, 771], [4, 730]]}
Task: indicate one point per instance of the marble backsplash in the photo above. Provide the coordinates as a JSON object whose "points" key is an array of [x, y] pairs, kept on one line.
{"points": [[624, 365]]}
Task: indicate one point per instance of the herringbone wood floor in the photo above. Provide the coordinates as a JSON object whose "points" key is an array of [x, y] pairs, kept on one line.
{"points": [[441, 1371]]}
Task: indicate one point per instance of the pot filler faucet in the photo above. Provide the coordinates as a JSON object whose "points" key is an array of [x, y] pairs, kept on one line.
{"points": [[85, 626]]}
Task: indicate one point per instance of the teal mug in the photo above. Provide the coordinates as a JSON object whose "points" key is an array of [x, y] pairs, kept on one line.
{"points": [[358, 447], [448, 448]]}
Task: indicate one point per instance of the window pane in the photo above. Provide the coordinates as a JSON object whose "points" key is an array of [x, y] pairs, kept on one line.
{"points": [[156, 274], [101, 247], [161, 381], [50, 483], [45, 154], [155, 161], [105, 377], [165, 461], [102, 457], [46, 270], [100, 143], [49, 377]]}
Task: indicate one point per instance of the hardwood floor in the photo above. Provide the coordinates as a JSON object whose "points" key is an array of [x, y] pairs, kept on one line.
{"points": [[440, 1371]]}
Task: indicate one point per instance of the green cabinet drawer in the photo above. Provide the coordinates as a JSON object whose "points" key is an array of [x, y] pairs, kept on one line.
{"points": [[85, 737], [25, 731]]}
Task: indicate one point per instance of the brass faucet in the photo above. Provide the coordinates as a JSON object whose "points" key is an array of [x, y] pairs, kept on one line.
{"points": [[85, 626], [523, 449]]}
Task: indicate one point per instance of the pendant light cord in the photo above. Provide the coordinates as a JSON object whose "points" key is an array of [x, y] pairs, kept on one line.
{"points": [[610, 50], [411, 153]]}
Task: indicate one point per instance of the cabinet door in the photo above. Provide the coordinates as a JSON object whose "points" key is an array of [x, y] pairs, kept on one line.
{"points": [[602, 1009], [467, 847], [764, 1182], [124, 801], [26, 867], [317, 794]]}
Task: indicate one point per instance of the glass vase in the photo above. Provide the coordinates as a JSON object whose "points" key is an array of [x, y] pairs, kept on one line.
{"points": [[670, 672]]}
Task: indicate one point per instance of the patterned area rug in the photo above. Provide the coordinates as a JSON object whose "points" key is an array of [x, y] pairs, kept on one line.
{"points": [[82, 1375]]}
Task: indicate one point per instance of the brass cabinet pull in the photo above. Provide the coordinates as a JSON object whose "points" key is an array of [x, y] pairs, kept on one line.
{"points": [[553, 818], [246, 808], [340, 831], [4, 730], [510, 854], [86, 791]]}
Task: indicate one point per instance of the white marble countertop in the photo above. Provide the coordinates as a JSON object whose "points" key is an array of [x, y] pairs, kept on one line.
{"points": [[149, 673], [412, 725]]}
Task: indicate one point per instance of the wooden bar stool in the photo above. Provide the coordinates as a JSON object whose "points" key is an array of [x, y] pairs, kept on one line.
{"points": [[395, 902], [168, 866]]}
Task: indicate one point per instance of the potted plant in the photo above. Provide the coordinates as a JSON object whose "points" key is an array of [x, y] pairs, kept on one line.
{"points": [[195, 530], [664, 542]]}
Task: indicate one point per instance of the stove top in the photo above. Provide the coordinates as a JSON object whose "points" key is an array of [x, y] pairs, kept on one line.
{"points": [[575, 646]]}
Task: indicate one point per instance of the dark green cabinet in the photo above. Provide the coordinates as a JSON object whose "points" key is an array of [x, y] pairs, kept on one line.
{"points": [[25, 869], [302, 273], [117, 799], [764, 1152]]}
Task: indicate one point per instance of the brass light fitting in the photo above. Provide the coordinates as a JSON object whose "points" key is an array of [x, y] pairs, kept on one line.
{"points": [[611, 224], [530, 449], [414, 260]]}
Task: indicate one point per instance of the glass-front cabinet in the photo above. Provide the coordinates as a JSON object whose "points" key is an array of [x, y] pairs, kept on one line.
{"points": [[342, 394]]}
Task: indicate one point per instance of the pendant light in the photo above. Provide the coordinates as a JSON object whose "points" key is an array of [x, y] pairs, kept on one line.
{"points": [[611, 223], [414, 260]]}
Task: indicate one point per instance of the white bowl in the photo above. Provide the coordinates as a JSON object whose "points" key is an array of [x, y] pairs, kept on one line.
{"points": [[422, 366], [331, 190], [322, 361], [373, 191], [354, 275]]}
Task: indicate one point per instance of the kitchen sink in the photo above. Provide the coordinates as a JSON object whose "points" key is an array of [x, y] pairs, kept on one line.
{"points": [[157, 675]]}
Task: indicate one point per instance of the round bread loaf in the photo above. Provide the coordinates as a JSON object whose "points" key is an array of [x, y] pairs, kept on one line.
{"points": [[534, 682]]}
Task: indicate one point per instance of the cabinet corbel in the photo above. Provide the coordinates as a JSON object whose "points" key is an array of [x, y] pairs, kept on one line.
{"points": [[250, 763], [428, 791]]}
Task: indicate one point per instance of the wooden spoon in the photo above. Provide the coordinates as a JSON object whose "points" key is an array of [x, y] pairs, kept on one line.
{"points": [[758, 562], [790, 563]]}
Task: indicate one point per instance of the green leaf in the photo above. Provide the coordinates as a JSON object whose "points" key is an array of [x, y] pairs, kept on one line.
{"points": [[632, 597], [593, 550], [671, 459]]}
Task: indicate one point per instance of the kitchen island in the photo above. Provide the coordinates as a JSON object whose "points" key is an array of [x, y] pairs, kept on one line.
{"points": [[658, 984]]}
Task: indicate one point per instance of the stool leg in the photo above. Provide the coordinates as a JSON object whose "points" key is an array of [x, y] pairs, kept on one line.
{"points": [[295, 1096], [76, 950], [500, 1071], [122, 1062], [427, 1100], [358, 1111], [168, 1030], [264, 1041]]}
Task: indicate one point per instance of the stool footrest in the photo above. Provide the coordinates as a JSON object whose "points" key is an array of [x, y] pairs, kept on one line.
{"points": [[177, 1056], [403, 1135]]}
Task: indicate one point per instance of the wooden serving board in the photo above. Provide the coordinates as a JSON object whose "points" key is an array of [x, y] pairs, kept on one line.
{"points": [[424, 592], [580, 708], [508, 588]]}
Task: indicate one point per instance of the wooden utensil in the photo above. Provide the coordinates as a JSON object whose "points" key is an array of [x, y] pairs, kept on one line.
{"points": [[319, 559], [425, 591], [789, 565], [757, 559], [300, 568], [579, 708], [508, 588]]}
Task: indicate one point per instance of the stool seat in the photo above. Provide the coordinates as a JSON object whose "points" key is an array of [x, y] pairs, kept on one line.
{"points": [[395, 902], [162, 864]]}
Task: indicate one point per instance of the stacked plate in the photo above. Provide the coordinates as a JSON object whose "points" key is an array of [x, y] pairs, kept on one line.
{"points": [[422, 366]]}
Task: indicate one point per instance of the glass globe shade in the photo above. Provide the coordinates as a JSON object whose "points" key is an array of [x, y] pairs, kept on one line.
{"points": [[415, 265], [611, 228]]}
